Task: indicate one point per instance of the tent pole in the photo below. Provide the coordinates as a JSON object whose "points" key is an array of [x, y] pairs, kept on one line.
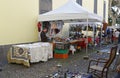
{"points": [[100, 36], [94, 37], [86, 41]]}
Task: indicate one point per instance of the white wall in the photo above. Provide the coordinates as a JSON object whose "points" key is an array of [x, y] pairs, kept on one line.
{"points": [[107, 3], [58, 3], [18, 21], [100, 7], [88, 4]]}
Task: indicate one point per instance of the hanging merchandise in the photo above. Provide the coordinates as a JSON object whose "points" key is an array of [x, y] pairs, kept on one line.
{"points": [[52, 29], [46, 24], [39, 26], [60, 24], [56, 28]]}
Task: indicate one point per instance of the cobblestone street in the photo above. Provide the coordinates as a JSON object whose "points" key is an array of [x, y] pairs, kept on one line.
{"points": [[43, 69]]}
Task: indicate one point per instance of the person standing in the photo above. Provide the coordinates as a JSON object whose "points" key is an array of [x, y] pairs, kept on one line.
{"points": [[43, 36], [119, 37], [112, 36], [108, 35], [116, 36]]}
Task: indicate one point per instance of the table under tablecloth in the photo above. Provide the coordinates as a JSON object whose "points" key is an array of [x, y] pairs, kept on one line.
{"points": [[30, 53]]}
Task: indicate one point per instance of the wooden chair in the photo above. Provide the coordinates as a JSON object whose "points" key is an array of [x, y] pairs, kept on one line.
{"points": [[100, 67]]}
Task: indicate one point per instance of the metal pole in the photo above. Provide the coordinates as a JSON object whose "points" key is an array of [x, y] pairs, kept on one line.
{"points": [[100, 35], [86, 41], [94, 36]]}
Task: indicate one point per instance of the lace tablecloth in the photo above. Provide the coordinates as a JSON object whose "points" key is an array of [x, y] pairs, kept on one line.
{"points": [[30, 53]]}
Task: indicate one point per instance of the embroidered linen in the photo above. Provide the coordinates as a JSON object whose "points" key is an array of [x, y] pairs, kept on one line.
{"points": [[30, 53]]}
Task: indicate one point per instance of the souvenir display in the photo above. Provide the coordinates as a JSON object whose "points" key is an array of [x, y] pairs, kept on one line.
{"points": [[75, 31], [62, 45], [69, 74]]}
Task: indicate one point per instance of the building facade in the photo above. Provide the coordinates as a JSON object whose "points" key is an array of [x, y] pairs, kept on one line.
{"points": [[18, 20]]}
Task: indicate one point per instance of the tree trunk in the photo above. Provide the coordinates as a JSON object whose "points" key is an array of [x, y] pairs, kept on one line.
{"points": [[109, 9], [113, 20], [110, 12]]}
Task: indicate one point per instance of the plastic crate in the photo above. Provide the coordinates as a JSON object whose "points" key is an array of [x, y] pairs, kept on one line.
{"points": [[61, 51], [61, 56], [61, 45]]}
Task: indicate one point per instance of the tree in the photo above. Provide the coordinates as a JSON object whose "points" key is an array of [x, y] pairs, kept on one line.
{"points": [[113, 14]]}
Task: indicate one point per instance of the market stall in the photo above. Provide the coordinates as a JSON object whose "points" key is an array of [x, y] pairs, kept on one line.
{"points": [[30, 53], [70, 12], [79, 29]]}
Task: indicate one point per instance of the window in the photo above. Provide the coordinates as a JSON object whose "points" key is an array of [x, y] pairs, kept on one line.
{"points": [[79, 2], [95, 6], [45, 6], [104, 9]]}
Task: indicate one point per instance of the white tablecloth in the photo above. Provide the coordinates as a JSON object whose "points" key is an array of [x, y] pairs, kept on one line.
{"points": [[34, 52]]}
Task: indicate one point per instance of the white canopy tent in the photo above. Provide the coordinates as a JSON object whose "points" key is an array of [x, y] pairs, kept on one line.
{"points": [[85, 23], [70, 11]]}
